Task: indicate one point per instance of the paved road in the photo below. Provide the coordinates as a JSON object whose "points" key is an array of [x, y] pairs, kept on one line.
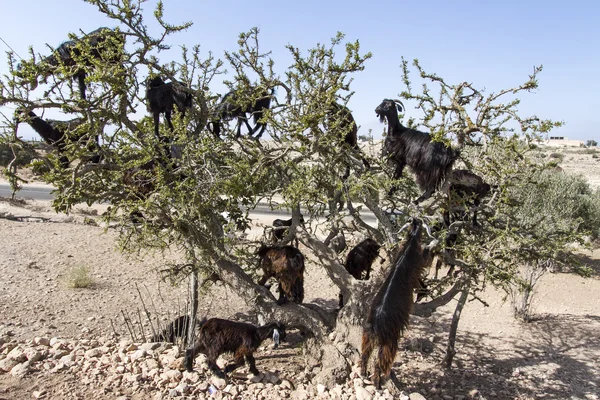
{"points": [[43, 193]]}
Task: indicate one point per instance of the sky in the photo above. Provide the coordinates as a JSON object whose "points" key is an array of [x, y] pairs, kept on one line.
{"points": [[493, 45]]}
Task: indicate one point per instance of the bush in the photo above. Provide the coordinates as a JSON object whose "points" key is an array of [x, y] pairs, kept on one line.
{"points": [[25, 153], [559, 156], [79, 277]]}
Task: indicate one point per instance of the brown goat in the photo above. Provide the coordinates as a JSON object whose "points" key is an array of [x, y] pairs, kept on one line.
{"points": [[359, 261], [218, 336], [392, 305], [286, 264]]}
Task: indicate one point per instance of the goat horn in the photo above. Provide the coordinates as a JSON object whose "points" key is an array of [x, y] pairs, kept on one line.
{"points": [[428, 230], [402, 104], [406, 225]]}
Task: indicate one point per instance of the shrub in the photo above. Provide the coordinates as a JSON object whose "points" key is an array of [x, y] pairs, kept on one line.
{"points": [[79, 277], [24, 151], [559, 156]]}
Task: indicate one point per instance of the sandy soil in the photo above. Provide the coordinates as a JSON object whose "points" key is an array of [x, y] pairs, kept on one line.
{"points": [[557, 356]]}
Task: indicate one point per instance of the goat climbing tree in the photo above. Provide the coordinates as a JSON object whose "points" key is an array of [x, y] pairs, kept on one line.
{"points": [[302, 164]]}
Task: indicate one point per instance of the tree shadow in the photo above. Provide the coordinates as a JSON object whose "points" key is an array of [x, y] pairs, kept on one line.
{"points": [[555, 356]]}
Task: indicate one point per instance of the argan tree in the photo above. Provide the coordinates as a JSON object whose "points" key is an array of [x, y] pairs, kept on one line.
{"points": [[179, 201]]}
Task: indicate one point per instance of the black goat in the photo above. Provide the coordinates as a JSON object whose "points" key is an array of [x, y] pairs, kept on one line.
{"points": [[161, 98], [54, 132], [286, 264], [218, 336], [230, 108], [178, 328], [430, 161], [104, 44], [342, 117], [359, 261], [391, 307], [464, 188], [280, 228]]}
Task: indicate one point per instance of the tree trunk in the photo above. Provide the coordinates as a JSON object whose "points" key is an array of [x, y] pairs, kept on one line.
{"points": [[450, 350], [193, 308]]}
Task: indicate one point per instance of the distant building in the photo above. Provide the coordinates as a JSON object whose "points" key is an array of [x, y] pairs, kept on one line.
{"points": [[561, 141]]}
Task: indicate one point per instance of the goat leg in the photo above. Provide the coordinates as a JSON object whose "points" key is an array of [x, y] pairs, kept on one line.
{"points": [[251, 364], [368, 344]]}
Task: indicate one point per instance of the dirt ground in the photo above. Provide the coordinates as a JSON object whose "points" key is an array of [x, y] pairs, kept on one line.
{"points": [[557, 356]]}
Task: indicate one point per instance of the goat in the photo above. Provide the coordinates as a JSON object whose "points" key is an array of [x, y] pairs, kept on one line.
{"points": [[218, 336], [430, 161], [466, 187], [391, 306], [104, 43], [230, 108], [178, 328], [161, 97], [359, 260], [53, 132], [286, 264], [342, 117], [280, 230]]}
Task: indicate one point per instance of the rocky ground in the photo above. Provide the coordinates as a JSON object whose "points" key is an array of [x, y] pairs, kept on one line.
{"points": [[60, 342]]}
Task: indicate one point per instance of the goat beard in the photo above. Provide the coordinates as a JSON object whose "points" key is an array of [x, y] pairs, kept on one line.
{"points": [[381, 117]]}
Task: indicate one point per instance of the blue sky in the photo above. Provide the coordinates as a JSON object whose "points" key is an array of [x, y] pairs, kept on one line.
{"points": [[491, 44]]}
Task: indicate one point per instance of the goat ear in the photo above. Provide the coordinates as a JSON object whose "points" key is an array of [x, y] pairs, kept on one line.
{"points": [[399, 107]]}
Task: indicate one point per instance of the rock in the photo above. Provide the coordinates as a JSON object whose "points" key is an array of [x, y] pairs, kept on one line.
{"points": [[20, 370], [321, 389], [255, 378], [131, 347], [41, 341], [174, 375], [192, 377], [219, 383], [17, 354], [178, 364], [33, 355], [137, 355], [173, 393], [362, 393], [371, 389], [38, 394], [473, 393], [93, 353], [416, 396], [7, 364], [286, 384], [150, 346]]}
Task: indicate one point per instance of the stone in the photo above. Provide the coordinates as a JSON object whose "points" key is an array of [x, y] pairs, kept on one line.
{"points": [[150, 346], [33, 355], [7, 364], [219, 383], [20, 370], [321, 389], [362, 393], [416, 396], [174, 375], [93, 353], [41, 341], [17, 354], [38, 394], [137, 355]]}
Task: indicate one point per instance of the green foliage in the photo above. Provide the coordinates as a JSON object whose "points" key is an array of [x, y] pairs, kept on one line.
{"points": [[591, 143]]}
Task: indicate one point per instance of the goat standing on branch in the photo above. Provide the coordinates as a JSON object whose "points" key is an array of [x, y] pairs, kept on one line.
{"points": [[218, 336], [464, 188], [392, 305], [286, 264], [54, 132], [341, 117], [161, 98], [104, 44], [231, 107], [430, 161]]}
